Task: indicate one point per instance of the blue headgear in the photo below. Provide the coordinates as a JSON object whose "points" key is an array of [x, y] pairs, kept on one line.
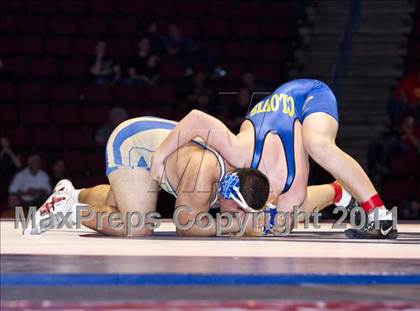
{"points": [[229, 189]]}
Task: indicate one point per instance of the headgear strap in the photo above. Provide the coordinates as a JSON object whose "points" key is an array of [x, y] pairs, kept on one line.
{"points": [[229, 189]]}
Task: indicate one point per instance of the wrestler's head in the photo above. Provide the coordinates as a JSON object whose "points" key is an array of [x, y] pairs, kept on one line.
{"points": [[243, 190]]}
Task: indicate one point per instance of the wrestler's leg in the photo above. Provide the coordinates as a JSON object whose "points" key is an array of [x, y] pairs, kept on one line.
{"points": [[135, 193], [319, 133]]}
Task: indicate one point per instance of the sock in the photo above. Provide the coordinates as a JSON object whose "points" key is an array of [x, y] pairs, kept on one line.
{"points": [[338, 192], [374, 201], [74, 195], [375, 204]]}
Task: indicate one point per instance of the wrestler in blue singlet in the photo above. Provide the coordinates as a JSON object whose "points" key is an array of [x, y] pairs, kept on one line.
{"points": [[277, 113]]}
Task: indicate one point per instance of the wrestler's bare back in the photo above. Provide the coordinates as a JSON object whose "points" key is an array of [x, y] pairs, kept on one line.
{"points": [[273, 165]]}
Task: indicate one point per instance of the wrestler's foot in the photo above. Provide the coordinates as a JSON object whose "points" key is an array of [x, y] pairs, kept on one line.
{"points": [[51, 213], [346, 200], [384, 230], [63, 185]]}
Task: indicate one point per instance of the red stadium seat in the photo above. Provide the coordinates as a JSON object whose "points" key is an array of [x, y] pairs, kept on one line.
{"points": [[72, 6], [19, 137], [402, 165], [77, 137], [162, 7], [216, 28], [273, 30], [250, 9], [279, 9], [74, 161], [7, 45], [161, 95], [271, 51], [121, 48], [398, 190], [101, 94], [132, 7], [237, 50], [191, 8], [245, 29], [266, 72], [32, 24], [66, 114], [95, 115], [63, 25], [85, 46], [171, 71], [134, 111], [13, 6], [15, 66], [65, 93], [124, 26], [46, 137], [59, 46], [7, 24], [95, 163], [93, 25], [31, 92], [101, 7], [129, 95], [31, 45], [8, 114], [34, 114], [44, 7], [74, 68], [222, 8], [44, 68], [7, 92]]}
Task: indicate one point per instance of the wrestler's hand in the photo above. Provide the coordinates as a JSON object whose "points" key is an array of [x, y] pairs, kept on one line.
{"points": [[257, 229], [157, 168]]}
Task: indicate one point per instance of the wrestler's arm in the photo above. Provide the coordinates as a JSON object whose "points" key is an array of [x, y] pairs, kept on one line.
{"points": [[210, 129]]}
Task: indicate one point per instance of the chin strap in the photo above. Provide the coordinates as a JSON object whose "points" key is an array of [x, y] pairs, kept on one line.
{"points": [[229, 189]]}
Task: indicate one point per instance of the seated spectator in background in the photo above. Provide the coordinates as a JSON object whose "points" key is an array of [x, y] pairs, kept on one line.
{"points": [[10, 163], [116, 116], [30, 186], [250, 82], [143, 67], [180, 47], [58, 171], [103, 68], [200, 95], [401, 139], [156, 39], [2, 73], [241, 109], [406, 98]]}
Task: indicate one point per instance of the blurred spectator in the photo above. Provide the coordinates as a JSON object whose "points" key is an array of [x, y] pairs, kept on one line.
{"points": [[250, 82], [116, 116], [103, 67], [144, 67], [406, 98], [400, 140], [30, 186], [10, 163], [156, 39], [58, 171], [200, 95], [241, 109]]}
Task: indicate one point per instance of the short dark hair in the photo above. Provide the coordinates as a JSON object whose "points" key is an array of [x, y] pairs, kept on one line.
{"points": [[254, 187]]}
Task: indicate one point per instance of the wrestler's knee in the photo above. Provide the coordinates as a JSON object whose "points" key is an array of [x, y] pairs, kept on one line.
{"points": [[319, 148]]}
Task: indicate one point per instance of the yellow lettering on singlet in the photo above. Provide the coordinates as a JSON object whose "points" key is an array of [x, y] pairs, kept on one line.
{"points": [[259, 109], [291, 109], [275, 102]]}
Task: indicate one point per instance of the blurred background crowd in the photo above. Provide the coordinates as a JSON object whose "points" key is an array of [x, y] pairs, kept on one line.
{"points": [[71, 70]]}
